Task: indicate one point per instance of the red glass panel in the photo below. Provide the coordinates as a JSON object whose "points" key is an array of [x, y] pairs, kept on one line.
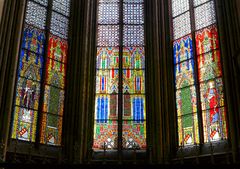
{"points": [[207, 40], [57, 48]]}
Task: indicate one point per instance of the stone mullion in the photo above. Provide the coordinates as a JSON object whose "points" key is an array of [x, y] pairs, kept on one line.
{"points": [[10, 41], [153, 77], [168, 100], [92, 76], [79, 76], [229, 29], [5, 42], [157, 80], [70, 117], [6, 13], [86, 83], [149, 77]]}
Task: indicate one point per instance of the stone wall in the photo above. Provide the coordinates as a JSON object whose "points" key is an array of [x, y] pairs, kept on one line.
{"points": [[238, 6], [1, 8]]}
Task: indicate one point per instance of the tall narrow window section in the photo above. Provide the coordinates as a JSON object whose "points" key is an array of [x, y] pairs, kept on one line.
{"points": [[41, 72], [198, 72], [120, 76]]}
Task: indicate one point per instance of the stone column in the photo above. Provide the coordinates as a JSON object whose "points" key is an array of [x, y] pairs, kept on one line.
{"points": [[10, 35], [1, 8], [79, 109], [230, 43]]}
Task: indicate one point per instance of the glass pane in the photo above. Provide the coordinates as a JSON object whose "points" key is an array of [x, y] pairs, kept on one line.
{"points": [[36, 15], [183, 49], [133, 58], [108, 35], [43, 2], [59, 25], [188, 129], [207, 39], [133, 14], [214, 124], [108, 1], [186, 100], [105, 134], [134, 107], [107, 58], [134, 134], [108, 13], [53, 100], [24, 124], [133, 35], [204, 15], [27, 93], [55, 73], [212, 94], [184, 74], [51, 129], [62, 6], [57, 48], [33, 39], [30, 66], [181, 25], [179, 7], [209, 65], [199, 2], [106, 107], [133, 1], [107, 81], [133, 81]]}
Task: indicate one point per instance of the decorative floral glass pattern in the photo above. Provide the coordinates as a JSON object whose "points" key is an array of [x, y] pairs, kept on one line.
{"points": [[108, 1], [108, 13], [207, 62], [133, 1], [133, 35], [204, 15], [199, 2], [181, 25], [43, 2], [179, 7], [131, 73], [32, 60], [133, 14], [62, 6], [36, 15], [59, 25], [108, 35]]}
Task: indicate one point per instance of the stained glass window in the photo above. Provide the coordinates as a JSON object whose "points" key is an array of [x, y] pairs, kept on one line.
{"points": [[42, 72], [198, 72], [120, 105]]}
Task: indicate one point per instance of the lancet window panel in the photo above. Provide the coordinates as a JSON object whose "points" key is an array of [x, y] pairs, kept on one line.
{"points": [[41, 73], [120, 58], [198, 72]]}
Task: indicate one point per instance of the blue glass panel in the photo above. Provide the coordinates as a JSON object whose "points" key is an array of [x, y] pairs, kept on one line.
{"points": [[182, 49]]}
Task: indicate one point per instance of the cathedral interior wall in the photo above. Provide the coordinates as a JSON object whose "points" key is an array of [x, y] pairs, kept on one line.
{"points": [[1, 8]]}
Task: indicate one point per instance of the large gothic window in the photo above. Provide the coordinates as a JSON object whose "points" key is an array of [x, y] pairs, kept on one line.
{"points": [[41, 72], [120, 105], [201, 108]]}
